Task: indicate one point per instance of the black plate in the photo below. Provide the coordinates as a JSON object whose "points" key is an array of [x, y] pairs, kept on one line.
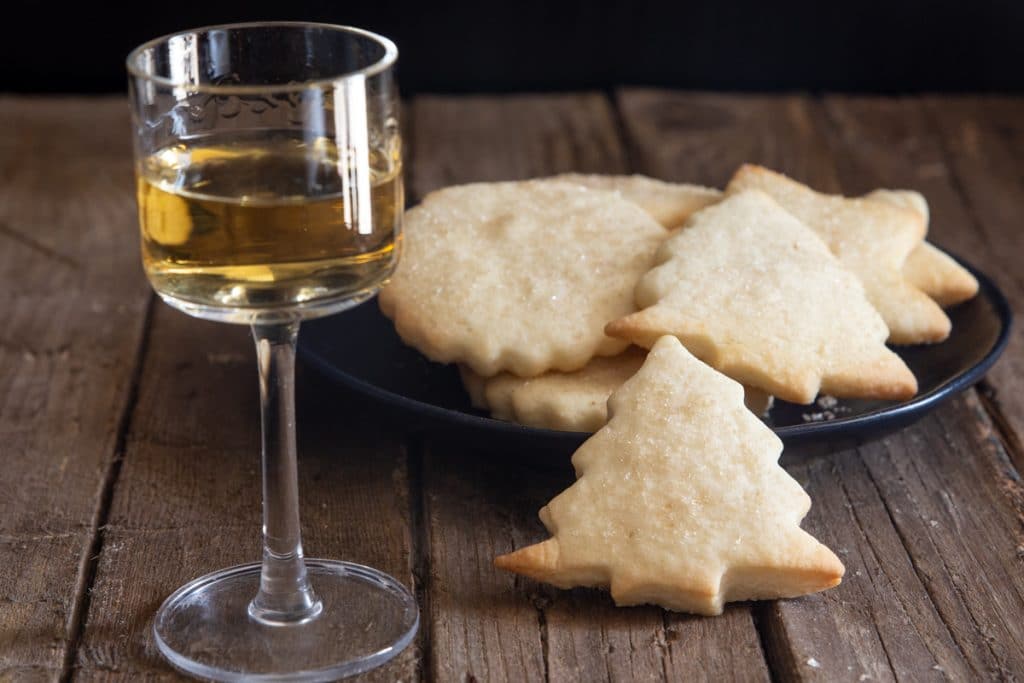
{"points": [[360, 350]]}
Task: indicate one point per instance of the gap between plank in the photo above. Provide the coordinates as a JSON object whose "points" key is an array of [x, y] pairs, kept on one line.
{"points": [[619, 123], [420, 551], [542, 626], [90, 561], [758, 614], [988, 396], [1012, 447], [666, 651]]}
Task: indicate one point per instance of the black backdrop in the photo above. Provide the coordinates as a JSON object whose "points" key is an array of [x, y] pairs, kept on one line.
{"points": [[865, 45]]}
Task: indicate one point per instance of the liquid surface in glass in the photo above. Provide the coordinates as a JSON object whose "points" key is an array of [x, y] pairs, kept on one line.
{"points": [[265, 222]]}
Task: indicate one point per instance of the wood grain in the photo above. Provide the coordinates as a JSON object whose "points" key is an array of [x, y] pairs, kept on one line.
{"points": [[931, 546], [484, 138], [705, 137], [898, 613], [983, 144], [74, 307], [188, 498], [881, 141], [482, 624], [488, 625], [146, 454]]}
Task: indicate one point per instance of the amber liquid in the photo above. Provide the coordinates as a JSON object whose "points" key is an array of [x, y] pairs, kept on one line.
{"points": [[267, 222]]}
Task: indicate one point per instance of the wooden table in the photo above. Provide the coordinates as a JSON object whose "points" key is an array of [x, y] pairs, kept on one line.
{"points": [[129, 432]]}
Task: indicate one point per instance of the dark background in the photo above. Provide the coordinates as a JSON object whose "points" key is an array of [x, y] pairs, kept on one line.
{"points": [[868, 46]]}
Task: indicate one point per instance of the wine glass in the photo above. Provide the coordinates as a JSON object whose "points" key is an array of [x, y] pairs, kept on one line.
{"points": [[268, 170]]}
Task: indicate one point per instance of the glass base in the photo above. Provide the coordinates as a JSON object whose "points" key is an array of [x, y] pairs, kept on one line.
{"points": [[204, 628]]}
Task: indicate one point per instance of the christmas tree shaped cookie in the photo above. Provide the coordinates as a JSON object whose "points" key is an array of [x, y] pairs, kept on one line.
{"points": [[680, 501], [756, 294]]}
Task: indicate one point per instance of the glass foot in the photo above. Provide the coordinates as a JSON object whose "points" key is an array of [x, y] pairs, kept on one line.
{"points": [[204, 628]]}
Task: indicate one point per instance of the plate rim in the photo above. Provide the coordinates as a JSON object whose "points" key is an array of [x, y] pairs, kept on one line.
{"points": [[916, 406]]}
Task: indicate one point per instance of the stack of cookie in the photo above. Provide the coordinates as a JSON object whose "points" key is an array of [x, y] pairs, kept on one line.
{"points": [[529, 286], [548, 293]]}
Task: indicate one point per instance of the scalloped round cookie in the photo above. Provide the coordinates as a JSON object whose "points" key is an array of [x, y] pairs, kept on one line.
{"points": [[518, 276]]}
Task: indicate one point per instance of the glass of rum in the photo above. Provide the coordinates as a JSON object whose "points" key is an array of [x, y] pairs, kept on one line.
{"points": [[269, 181]]}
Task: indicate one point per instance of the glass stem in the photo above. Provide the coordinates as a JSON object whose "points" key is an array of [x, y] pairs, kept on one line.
{"points": [[285, 595]]}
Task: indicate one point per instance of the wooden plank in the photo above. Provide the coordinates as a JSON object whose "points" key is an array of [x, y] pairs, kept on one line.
{"points": [[898, 613], [481, 138], [480, 624], [488, 625], [881, 622], [74, 307], [982, 140], [949, 501], [704, 137], [886, 142], [942, 596], [188, 497]]}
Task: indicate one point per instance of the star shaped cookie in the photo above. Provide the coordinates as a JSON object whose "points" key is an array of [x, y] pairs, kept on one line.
{"points": [[872, 239]]}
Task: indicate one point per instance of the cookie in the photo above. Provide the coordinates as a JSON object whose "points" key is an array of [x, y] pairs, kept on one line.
{"points": [[927, 267], [680, 501], [568, 401], [939, 276], [756, 294], [907, 199], [872, 239], [518, 276], [668, 203]]}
